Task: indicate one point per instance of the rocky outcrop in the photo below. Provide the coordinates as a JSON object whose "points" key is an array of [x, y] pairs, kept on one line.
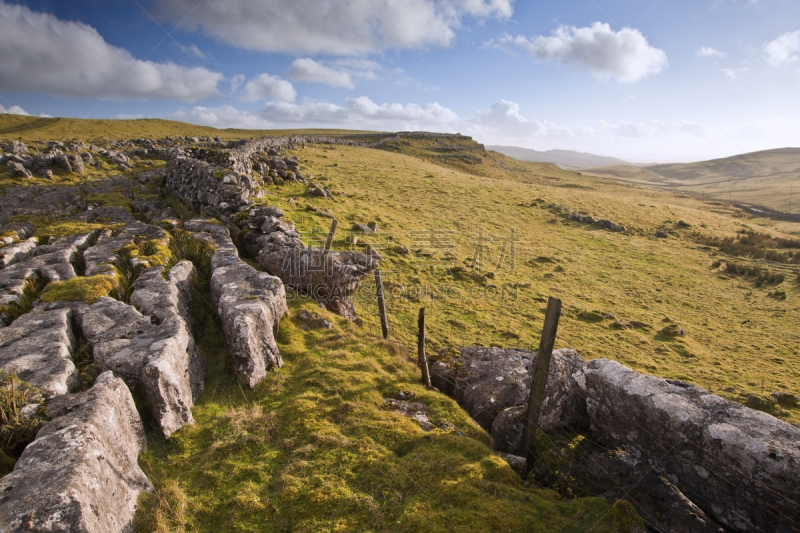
{"points": [[38, 348], [740, 466], [493, 386], [13, 280], [81, 473], [250, 305], [17, 231], [330, 277], [15, 253], [157, 350], [101, 257]]}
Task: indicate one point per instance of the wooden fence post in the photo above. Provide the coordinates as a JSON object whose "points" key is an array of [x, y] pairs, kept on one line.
{"points": [[382, 304], [539, 380], [329, 242], [423, 359]]}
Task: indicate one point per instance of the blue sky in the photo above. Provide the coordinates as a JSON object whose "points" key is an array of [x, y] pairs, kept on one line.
{"points": [[669, 80]]}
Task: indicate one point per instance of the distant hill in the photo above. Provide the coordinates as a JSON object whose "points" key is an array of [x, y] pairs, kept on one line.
{"points": [[566, 159], [769, 178]]}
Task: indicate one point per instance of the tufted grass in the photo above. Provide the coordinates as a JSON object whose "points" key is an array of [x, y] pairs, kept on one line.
{"points": [[311, 449], [80, 289]]}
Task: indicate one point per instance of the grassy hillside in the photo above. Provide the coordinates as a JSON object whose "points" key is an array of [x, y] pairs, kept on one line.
{"points": [[770, 178], [28, 129], [741, 335]]}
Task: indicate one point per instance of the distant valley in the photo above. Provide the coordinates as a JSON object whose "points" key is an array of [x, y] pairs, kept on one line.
{"points": [[769, 178], [566, 159]]}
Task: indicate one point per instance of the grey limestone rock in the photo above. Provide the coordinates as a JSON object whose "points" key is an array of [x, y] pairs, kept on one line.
{"points": [[16, 169], [38, 348], [250, 305], [493, 386], [740, 466], [15, 253], [81, 473], [158, 350]]}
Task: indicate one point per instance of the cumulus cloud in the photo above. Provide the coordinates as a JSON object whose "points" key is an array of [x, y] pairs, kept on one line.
{"points": [[624, 55], [707, 51], [343, 27], [43, 54], [342, 72], [361, 110], [313, 71], [354, 112], [783, 50], [264, 87], [225, 116], [503, 119], [13, 110]]}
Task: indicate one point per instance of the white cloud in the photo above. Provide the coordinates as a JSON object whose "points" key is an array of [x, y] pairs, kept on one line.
{"points": [[193, 51], [221, 117], [359, 112], [43, 54], [783, 50], [707, 51], [651, 129], [734, 73], [350, 27], [624, 55], [13, 110], [342, 72], [313, 71], [266, 86], [504, 120]]}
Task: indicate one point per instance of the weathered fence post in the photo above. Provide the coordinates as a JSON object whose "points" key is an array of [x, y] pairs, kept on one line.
{"points": [[382, 304], [423, 359], [539, 380], [329, 242]]}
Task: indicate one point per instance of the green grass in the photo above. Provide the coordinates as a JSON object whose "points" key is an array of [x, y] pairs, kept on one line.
{"points": [[311, 449], [86, 290], [740, 338]]}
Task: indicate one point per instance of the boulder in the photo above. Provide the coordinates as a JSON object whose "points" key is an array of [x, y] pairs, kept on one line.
{"points": [[14, 147], [739, 465], [38, 347], [76, 162], [62, 160], [250, 305], [16, 169], [81, 473], [493, 386]]}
